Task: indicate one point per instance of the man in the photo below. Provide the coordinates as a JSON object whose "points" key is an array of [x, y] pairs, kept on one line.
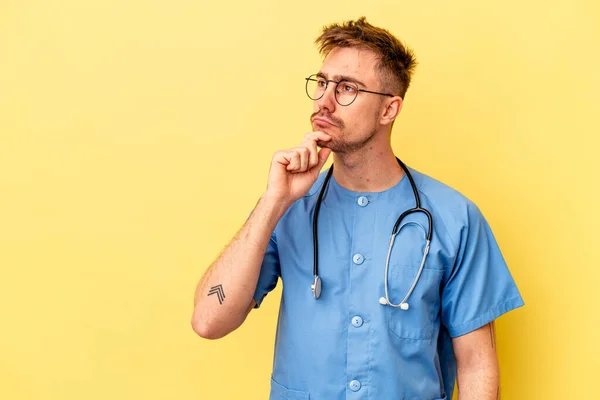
{"points": [[366, 322]]}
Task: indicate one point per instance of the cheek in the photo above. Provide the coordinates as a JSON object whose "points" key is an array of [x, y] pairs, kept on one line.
{"points": [[362, 121]]}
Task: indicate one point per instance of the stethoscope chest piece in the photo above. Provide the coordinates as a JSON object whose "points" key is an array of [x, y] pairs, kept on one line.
{"points": [[316, 287]]}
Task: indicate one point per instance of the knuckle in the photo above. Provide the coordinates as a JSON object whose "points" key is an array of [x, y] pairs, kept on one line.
{"points": [[301, 150]]}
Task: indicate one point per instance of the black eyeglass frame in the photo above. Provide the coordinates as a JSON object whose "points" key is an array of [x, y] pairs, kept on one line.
{"points": [[313, 79]]}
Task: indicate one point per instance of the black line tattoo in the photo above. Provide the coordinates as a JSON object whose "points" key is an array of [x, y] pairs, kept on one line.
{"points": [[218, 290]]}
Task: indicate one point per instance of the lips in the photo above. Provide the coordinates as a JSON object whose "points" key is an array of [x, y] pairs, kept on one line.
{"points": [[323, 121]]}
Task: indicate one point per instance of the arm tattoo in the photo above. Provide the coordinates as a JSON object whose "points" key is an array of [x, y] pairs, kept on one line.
{"points": [[218, 290]]}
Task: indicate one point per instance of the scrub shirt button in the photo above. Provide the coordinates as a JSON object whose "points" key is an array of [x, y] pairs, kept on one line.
{"points": [[357, 321], [354, 385], [358, 259], [363, 201]]}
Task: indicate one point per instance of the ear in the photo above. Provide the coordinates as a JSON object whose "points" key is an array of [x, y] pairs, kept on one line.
{"points": [[391, 109]]}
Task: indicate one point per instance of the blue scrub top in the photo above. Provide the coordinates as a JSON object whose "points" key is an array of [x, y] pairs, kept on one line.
{"points": [[346, 345]]}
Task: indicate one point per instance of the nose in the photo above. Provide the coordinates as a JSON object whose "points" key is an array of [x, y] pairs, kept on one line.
{"points": [[327, 102]]}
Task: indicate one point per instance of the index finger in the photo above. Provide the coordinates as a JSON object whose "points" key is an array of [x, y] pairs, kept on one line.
{"points": [[317, 136]]}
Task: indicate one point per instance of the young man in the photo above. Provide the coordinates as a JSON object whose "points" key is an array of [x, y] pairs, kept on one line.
{"points": [[364, 314]]}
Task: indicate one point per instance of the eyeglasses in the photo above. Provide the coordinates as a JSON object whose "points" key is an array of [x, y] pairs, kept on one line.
{"points": [[345, 91]]}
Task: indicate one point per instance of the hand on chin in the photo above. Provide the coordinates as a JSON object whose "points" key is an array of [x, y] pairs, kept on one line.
{"points": [[320, 143]]}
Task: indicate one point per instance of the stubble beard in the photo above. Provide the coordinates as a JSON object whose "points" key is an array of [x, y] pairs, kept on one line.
{"points": [[340, 146]]}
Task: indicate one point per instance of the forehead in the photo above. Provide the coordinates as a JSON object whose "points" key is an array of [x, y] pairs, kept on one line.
{"points": [[351, 62]]}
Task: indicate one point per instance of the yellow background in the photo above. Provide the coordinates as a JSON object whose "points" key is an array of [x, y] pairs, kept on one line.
{"points": [[136, 136]]}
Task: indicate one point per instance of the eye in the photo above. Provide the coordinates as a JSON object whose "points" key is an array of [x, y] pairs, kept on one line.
{"points": [[347, 87], [321, 83]]}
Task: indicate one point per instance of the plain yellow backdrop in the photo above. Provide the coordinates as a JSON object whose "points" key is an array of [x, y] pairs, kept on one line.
{"points": [[136, 136]]}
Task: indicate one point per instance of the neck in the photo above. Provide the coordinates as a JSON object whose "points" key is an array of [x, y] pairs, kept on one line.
{"points": [[370, 169]]}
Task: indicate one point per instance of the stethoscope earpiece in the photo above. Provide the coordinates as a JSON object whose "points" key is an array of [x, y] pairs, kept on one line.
{"points": [[384, 302]]}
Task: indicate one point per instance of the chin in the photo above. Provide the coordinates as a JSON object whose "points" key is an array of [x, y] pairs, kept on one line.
{"points": [[335, 145]]}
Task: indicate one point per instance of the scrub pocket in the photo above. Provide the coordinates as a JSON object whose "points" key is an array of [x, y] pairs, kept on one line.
{"points": [[418, 322], [280, 392]]}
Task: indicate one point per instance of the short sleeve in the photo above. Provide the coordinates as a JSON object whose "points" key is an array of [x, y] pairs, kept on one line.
{"points": [[269, 272], [479, 288]]}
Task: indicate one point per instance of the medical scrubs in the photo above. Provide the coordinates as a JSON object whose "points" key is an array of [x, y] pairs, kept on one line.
{"points": [[346, 345]]}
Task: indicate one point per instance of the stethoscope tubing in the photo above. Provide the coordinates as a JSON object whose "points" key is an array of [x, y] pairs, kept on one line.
{"points": [[316, 286]]}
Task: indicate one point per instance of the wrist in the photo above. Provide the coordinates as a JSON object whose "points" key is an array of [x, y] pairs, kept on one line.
{"points": [[277, 203]]}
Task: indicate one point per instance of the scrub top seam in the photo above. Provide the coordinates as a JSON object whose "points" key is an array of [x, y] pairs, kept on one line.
{"points": [[370, 314], [350, 305], [353, 194]]}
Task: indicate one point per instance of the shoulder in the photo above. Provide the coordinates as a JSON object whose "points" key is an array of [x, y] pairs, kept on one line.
{"points": [[439, 193], [455, 210]]}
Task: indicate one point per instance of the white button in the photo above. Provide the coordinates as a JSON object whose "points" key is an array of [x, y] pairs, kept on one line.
{"points": [[355, 386], [363, 201], [358, 259], [357, 321]]}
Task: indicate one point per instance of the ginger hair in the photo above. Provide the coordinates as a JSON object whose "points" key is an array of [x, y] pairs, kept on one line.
{"points": [[396, 61]]}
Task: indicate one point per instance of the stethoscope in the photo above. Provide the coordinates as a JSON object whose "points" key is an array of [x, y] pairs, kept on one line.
{"points": [[317, 284]]}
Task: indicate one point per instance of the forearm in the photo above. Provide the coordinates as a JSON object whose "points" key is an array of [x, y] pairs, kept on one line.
{"points": [[479, 382], [236, 271]]}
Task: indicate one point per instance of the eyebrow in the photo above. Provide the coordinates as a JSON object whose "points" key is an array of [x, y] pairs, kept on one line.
{"points": [[341, 78]]}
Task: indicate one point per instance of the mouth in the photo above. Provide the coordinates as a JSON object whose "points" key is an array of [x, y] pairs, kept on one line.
{"points": [[322, 122]]}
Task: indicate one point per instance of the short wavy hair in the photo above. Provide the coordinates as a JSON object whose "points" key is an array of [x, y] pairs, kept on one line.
{"points": [[396, 61]]}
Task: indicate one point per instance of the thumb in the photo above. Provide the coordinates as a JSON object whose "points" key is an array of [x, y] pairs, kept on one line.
{"points": [[323, 156]]}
